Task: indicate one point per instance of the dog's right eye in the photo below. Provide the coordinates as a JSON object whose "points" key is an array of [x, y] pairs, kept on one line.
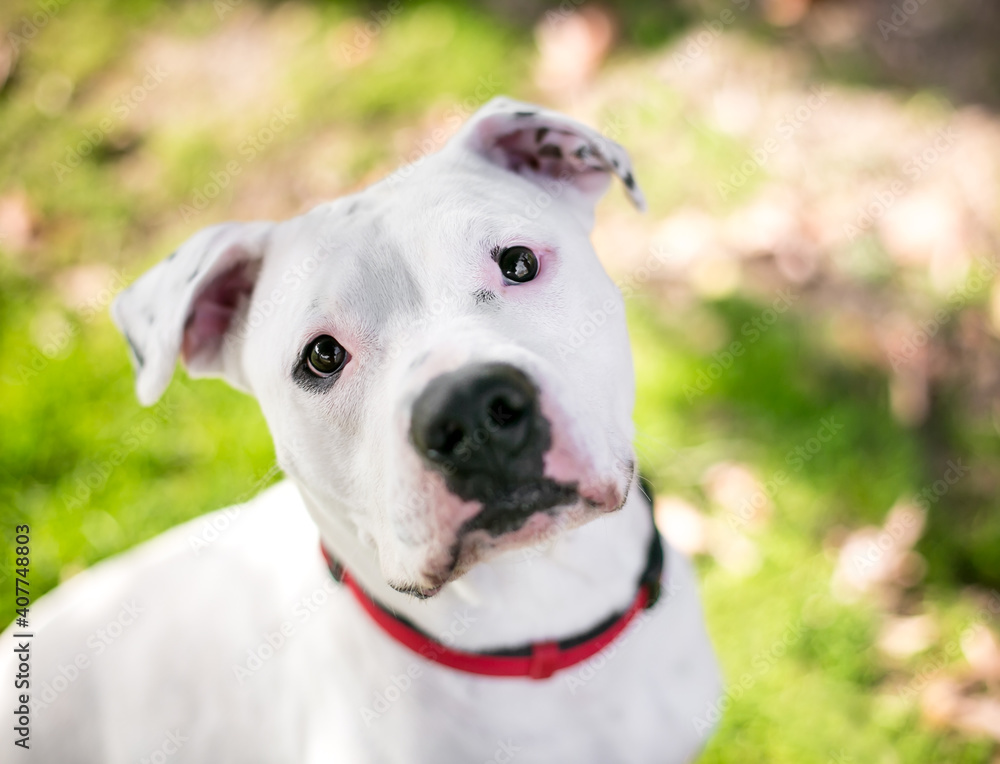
{"points": [[325, 356]]}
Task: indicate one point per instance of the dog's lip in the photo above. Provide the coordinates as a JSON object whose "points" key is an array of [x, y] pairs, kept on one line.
{"points": [[419, 592], [549, 503], [516, 506], [614, 503], [609, 497], [546, 506]]}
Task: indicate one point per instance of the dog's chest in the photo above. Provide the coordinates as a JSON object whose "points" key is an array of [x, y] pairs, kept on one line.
{"points": [[380, 703], [255, 656], [638, 701]]}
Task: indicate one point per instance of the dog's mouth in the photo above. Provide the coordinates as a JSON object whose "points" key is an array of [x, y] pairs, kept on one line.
{"points": [[517, 517], [502, 519], [508, 511]]}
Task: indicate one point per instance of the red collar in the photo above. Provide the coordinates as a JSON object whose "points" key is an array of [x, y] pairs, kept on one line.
{"points": [[538, 660]]}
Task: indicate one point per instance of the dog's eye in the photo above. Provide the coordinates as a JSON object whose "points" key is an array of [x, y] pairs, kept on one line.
{"points": [[518, 264], [325, 356]]}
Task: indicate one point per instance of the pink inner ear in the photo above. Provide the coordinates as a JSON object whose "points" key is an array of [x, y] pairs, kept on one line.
{"points": [[212, 312], [554, 153]]}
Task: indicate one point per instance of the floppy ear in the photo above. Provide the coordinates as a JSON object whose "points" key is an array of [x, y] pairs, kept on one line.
{"points": [[187, 303], [543, 145]]}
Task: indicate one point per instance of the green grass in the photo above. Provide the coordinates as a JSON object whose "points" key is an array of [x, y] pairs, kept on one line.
{"points": [[804, 675]]}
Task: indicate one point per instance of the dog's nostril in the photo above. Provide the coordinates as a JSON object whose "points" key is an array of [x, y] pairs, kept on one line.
{"points": [[444, 438], [506, 410], [453, 434]]}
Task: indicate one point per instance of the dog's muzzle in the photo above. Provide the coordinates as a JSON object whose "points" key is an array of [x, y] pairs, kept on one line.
{"points": [[482, 429]]}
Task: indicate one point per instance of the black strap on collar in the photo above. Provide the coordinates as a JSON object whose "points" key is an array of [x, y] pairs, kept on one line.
{"points": [[652, 574]]}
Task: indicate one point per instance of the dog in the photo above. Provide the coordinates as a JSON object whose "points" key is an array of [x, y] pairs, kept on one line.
{"points": [[461, 565]]}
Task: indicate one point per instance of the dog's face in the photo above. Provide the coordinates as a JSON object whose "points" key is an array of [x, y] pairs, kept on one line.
{"points": [[441, 359]]}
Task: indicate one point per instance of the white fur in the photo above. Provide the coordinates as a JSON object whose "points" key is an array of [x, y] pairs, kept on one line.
{"points": [[174, 669]]}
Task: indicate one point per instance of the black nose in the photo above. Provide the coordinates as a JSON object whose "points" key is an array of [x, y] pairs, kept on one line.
{"points": [[480, 426]]}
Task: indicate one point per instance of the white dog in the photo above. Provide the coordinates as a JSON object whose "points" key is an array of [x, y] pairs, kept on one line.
{"points": [[445, 369]]}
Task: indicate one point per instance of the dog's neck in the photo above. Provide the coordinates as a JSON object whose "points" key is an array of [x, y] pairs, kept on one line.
{"points": [[552, 590]]}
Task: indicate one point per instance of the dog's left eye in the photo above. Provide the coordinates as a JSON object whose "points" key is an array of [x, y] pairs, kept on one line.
{"points": [[518, 264], [325, 356]]}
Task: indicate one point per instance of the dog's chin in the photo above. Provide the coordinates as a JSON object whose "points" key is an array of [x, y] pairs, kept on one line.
{"points": [[525, 524]]}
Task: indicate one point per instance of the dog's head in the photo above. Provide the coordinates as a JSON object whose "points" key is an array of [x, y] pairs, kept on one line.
{"points": [[441, 359]]}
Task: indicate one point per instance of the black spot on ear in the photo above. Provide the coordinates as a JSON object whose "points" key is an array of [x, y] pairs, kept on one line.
{"points": [[540, 134], [550, 150], [139, 360], [523, 114], [484, 296], [629, 181]]}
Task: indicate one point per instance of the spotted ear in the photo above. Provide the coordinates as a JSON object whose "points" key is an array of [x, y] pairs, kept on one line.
{"points": [[544, 145], [185, 306]]}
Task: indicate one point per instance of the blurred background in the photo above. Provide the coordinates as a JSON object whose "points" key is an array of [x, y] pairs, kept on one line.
{"points": [[813, 299]]}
